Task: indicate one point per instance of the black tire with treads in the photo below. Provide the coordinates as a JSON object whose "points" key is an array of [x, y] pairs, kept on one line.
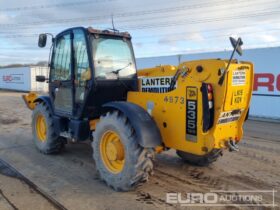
{"points": [[138, 164], [200, 160], [53, 143]]}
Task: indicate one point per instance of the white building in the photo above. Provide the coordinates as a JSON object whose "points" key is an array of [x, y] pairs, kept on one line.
{"points": [[23, 78]]}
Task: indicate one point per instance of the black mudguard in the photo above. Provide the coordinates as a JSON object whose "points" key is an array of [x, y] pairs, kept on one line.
{"points": [[45, 99], [148, 134]]}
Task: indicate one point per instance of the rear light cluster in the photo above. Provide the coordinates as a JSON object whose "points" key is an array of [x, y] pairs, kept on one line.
{"points": [[208, 106], [210, 96]]}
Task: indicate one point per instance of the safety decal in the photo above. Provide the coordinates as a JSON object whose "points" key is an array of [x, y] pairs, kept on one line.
{"points": [[227, 117], [238, 77], [238, 96], [155, 84]]}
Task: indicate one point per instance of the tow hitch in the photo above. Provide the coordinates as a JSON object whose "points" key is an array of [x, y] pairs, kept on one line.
{"points": [[232, 146]]}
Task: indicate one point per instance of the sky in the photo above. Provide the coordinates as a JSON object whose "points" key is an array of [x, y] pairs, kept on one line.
{"points": [[158, 27]]}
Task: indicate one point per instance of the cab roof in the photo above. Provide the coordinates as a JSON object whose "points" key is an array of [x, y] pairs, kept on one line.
{"points": [[109, 32], [97, 31]]}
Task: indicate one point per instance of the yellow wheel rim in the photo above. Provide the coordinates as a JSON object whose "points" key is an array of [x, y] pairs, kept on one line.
{"points": [[112, 152], [41, 128]]}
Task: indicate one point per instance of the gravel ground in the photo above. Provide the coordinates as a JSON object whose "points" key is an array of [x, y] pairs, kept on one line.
{"points": [[71, 178]]}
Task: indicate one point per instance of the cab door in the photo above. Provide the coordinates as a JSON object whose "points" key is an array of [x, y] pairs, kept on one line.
{"points": [[61, 77], [82, 71]]}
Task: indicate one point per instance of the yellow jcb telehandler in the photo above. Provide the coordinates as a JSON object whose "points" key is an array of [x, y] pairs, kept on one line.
{"points": [[95, 93]]}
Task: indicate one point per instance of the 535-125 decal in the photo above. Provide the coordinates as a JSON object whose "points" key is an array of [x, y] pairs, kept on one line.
{"points": [[191, 114]]}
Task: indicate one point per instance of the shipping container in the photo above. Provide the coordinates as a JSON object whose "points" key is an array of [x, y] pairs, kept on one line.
{"points": [[23, 78], [266, 96]]}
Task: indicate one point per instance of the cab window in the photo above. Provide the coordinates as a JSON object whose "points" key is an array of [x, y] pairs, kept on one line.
{"points": [[82, 69], [61, 69], [113, 55]]}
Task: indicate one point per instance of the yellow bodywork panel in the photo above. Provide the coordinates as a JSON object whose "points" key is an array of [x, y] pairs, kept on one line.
{"points": [[170, 115], [29, 100], [172, 112]]}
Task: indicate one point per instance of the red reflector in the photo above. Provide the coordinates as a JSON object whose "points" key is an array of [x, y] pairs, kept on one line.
{"points": [[210, 88]]}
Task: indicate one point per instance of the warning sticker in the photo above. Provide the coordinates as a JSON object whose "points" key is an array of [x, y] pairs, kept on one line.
{"points": [[237, 97], [227, 117], [238, 77], [155, 84]]}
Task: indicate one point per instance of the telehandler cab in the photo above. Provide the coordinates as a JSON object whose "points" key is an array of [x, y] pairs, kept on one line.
{"points": [[95, 93]]}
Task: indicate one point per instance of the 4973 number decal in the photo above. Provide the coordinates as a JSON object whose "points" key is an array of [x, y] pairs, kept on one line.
{"points": [[174, 99]]}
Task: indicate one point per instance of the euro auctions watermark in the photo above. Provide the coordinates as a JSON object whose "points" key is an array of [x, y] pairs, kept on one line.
{"points": [[249, 198]]}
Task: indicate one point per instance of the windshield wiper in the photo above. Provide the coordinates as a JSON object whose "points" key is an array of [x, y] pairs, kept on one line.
{"points": [[118, 70]]}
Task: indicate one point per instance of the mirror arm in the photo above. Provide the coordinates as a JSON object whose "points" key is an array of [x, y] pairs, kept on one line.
{"points": [[50, 35], [222, 78]]}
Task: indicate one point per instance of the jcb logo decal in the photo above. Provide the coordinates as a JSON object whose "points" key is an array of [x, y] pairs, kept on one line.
{"points": [[192, 93], [191, 114]]}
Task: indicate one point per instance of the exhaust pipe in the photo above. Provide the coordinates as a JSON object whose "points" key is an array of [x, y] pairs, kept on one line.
{"points": [[232, 146]]}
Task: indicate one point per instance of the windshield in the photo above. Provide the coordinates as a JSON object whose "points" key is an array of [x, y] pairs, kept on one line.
{"points": [[113, 58]]}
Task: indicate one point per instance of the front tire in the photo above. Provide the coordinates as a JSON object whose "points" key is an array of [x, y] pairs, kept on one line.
{"points": [[120, 161], [44, 136]]}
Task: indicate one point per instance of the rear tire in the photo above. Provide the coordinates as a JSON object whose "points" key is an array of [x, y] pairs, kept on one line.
{"points": [[200, 160], [44, 136], [135, 162]]}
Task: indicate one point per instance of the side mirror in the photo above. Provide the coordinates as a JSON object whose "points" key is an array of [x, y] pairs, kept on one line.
{"points": [[42, 40], [236, 44], [40, 78]]}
